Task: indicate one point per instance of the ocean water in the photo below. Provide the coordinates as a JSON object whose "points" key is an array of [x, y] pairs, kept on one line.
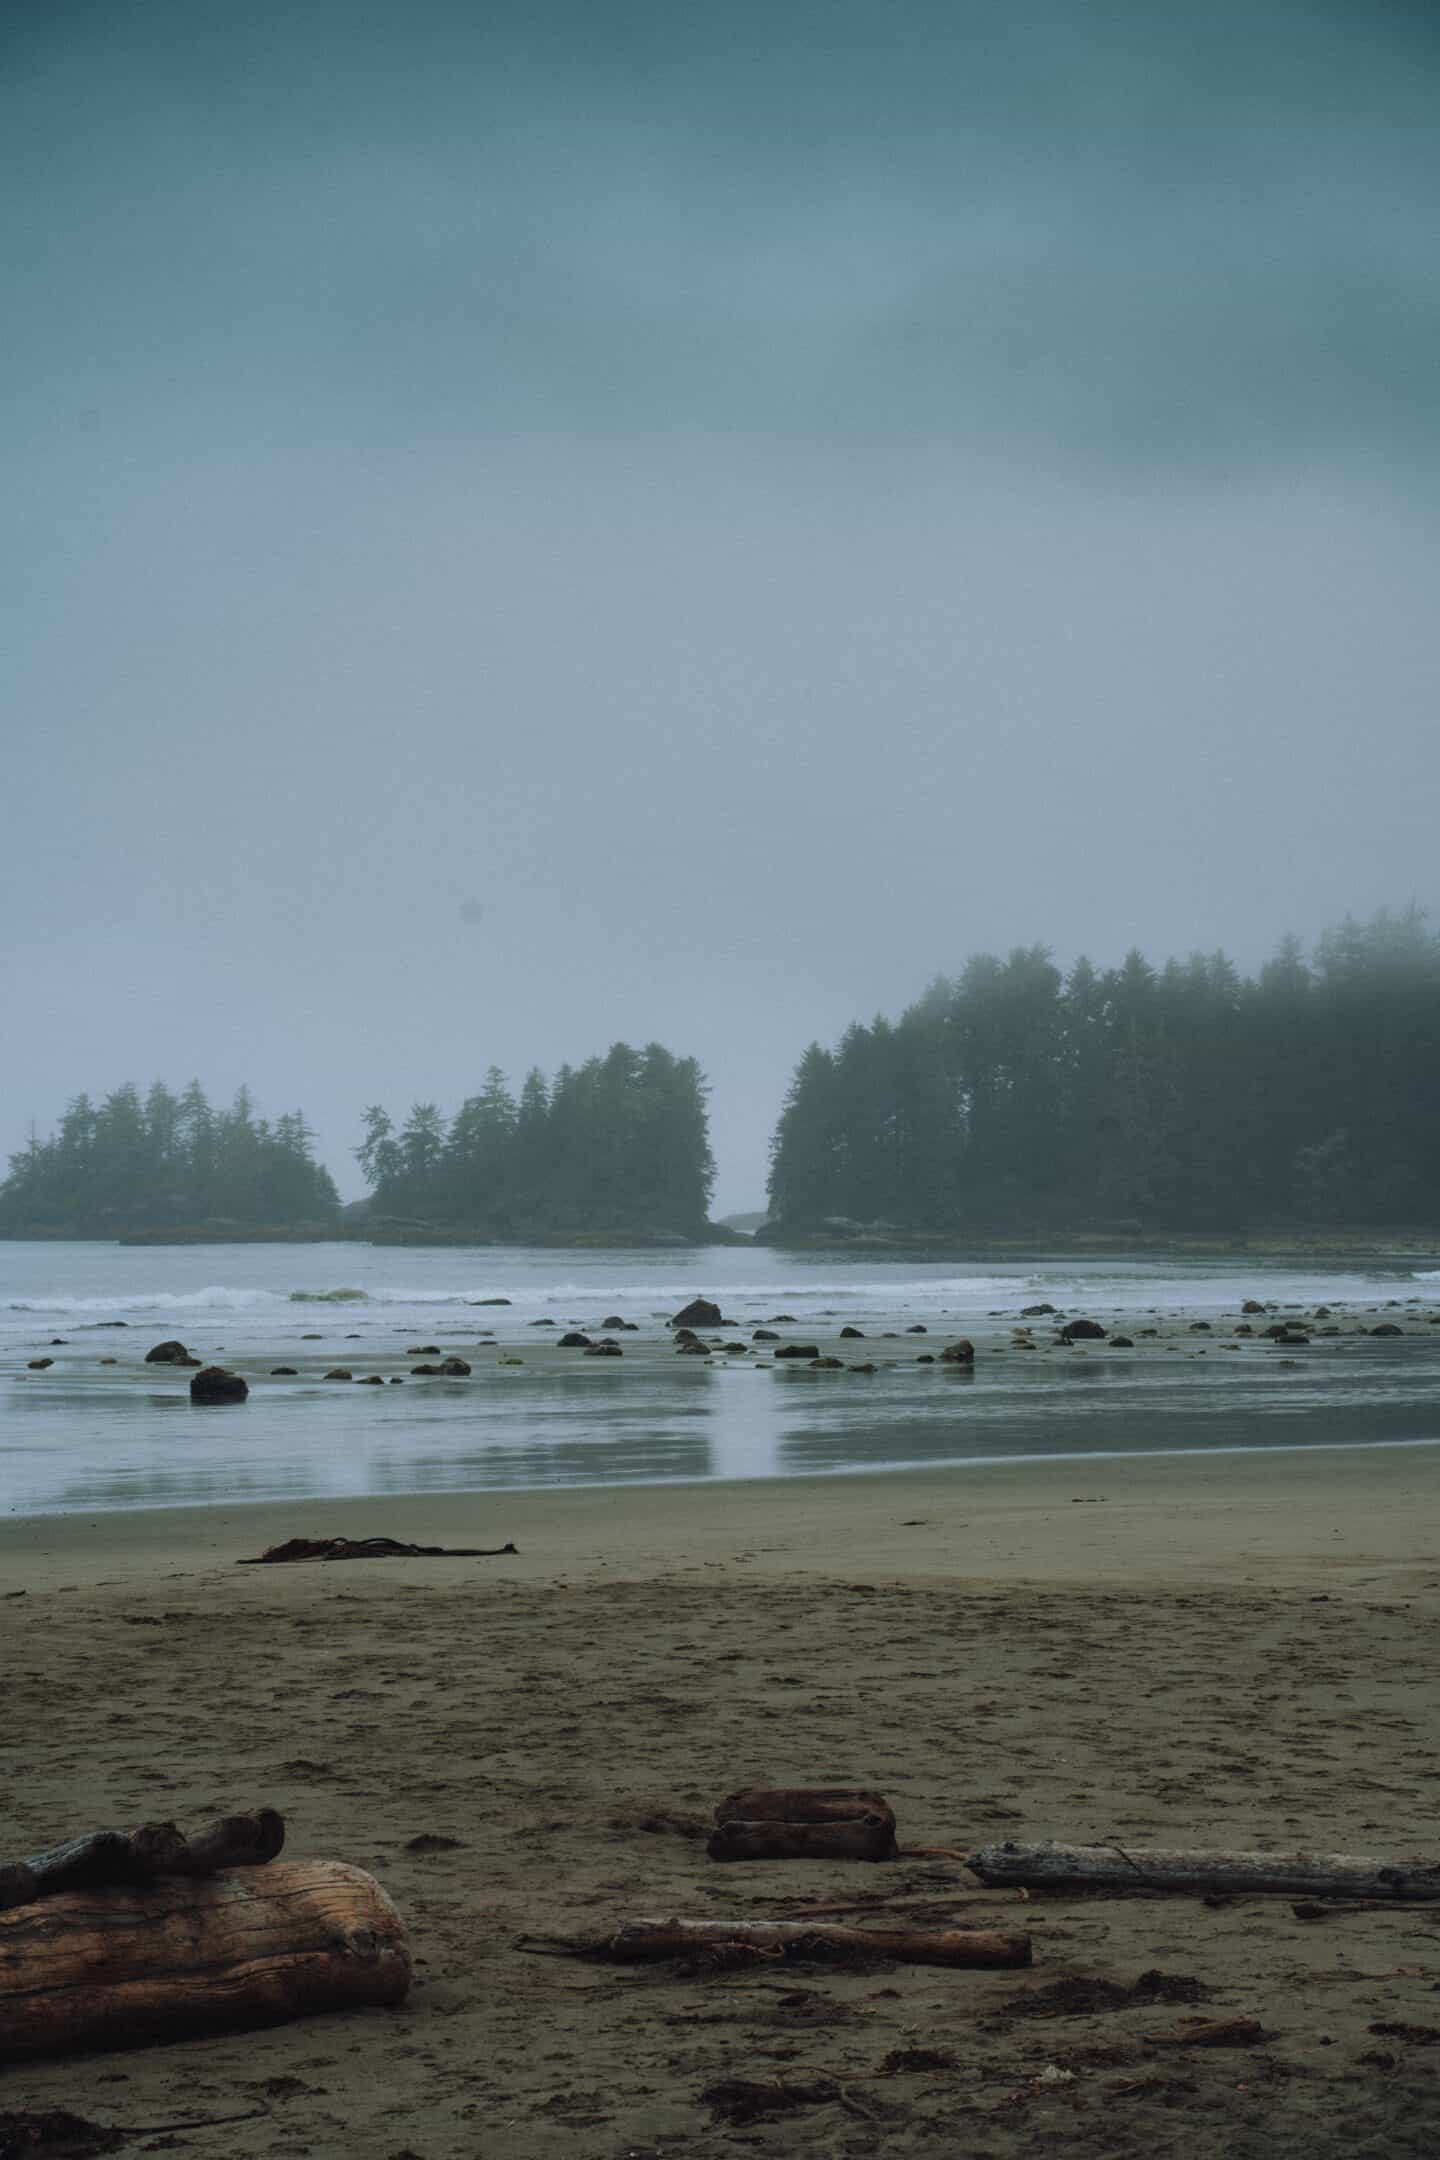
{"points": [[86, 1436]]}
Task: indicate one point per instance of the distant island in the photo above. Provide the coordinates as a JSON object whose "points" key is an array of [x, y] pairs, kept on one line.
{"points": [[133, 1164], [612, 1152], [1012, 1109], [1014, 1104]]}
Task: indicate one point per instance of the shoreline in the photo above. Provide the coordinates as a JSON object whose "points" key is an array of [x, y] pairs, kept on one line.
{"points": [[1398, 1248], [1216, 1650], [1208, 1513]]}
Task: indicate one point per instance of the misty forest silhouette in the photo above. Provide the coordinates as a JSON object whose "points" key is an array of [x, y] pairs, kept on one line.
{"points": [[1011, 1099]]}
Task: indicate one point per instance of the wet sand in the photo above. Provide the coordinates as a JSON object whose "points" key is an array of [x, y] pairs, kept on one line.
{"points": [[89, 1425], [1228, 1650]]}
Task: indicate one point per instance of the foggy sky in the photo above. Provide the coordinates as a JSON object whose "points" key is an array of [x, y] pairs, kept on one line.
{"points": [[753, 503]]}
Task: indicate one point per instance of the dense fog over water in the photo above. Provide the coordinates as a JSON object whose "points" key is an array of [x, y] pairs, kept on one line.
{"points": [[528, 525]]}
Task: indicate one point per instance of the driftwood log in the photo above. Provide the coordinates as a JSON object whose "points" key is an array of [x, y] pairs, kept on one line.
{"points": [[801, 1804], [804, 1822], [117, 1967], [136, 1856], [799, 1938], [862, 1837], [1114, 1867]]}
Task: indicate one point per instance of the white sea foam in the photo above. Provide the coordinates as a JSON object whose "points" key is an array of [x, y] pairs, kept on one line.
{"points": [[216, 1297]]}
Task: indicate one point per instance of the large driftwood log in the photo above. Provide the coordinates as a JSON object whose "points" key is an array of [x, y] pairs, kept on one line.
{"points": [[784, 1938], [1116, 1867], [187, 1954], [801, 1803], [861, 1837], [133, 1856]]}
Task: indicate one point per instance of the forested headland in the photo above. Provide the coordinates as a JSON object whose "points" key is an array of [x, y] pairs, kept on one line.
{"points": [[1017, 1100], [1013, 1101], [614, 1150], [616, 1147], [163, 1163]]}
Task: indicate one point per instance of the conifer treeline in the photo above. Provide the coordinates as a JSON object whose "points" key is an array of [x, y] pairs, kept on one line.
{"points": [[1186, 1097], [1010, 1098], [618, 1143], [165, 1161]]}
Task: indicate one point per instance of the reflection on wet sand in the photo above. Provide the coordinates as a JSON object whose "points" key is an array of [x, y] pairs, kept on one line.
{"points": [[99, 1430]]}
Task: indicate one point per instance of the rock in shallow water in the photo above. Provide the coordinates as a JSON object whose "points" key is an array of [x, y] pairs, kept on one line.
{"points": [[698, 1313], [170, 1353], [216, 1384]]}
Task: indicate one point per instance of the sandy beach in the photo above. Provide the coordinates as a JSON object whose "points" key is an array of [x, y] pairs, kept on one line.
{"points": [[1224, 1650]]}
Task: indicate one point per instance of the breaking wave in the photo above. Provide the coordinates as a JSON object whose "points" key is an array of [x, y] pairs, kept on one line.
{"points": [[215, 1297]]}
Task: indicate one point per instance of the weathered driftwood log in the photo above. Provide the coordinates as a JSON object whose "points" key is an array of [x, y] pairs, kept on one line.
{"points": [[862, 1837], [800, 1938], [184, 1955], [801, 1803], [1116, 1867], [132, 1856]]}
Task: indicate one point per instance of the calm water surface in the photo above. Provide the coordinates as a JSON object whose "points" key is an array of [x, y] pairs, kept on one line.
{"points": [[84, 1436]]}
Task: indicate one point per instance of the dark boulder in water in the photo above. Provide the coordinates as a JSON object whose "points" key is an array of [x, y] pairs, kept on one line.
{"points": [[282, 1372], [961, 1352], [39, 1364], [214, 1384], [691, 1347], [1121, 1342], [1035, 1312], [615, 1321], [1387, 1327], [852, 1334], [170, 1353], [918, 1329], [1082, 1331], [574, 1341], [489, 1301], [1252, 1305], [764, 1334], [339, 1372], [808, 1350], [373, 1379], [605, 1349], [824, 1364], [700, 1312]]}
